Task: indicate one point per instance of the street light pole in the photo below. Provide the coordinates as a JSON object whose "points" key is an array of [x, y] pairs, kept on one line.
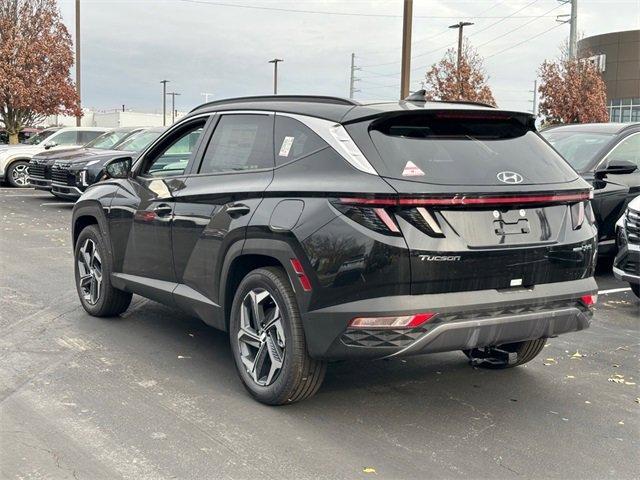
{"points": [[164, 101], [275, 62], [173, 105], [78, 91], [206, 96], [573, 30], [460, 26], [405, 71]]}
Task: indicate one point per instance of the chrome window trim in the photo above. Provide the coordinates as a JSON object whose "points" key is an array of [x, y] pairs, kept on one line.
{"points": [[338, 138], [605, 158]]}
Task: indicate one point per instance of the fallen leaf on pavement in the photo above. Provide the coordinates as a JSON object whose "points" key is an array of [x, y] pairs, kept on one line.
{"points": [[549, 361], [368, 470]]}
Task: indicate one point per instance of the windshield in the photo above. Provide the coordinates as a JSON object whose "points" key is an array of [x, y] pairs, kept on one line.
{"points": [[136, 143], [40, 137], [578, 148], [108, 140], [462, 149]]}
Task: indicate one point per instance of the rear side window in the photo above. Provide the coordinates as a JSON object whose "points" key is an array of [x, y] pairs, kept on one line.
{"points": [[87, 136], [294, 140], [451, 148], [240, 143]]}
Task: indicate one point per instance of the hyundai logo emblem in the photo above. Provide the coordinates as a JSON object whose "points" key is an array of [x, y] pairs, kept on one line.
{"points": [[509, 177]]}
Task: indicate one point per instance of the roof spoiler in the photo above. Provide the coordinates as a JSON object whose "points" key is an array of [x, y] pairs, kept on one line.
{"points": [[421, 96]]}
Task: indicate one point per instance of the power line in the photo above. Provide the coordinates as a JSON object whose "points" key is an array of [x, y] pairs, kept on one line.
{"points": [[519, 27], [503, 19], [324, 12], [523, 41]]}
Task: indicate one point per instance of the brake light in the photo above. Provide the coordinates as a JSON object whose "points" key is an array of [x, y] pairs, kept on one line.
{"points": [[304, 280], [386, 219], [402, 321], [589, 300]]}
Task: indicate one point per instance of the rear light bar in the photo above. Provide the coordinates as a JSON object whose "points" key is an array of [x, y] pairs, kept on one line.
{"points": [[403, 321], [589, 300], [459, 200]]}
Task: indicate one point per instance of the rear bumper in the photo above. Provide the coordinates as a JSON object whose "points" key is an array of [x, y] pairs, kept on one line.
{"points": [[464, 320]]}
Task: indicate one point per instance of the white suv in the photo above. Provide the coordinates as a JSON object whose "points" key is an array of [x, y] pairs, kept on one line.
{"points": [[14, 159]]}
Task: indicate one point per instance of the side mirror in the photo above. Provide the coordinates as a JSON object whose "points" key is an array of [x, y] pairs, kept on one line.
{"points": [[616, 167], [50, 144], [119, 167]]}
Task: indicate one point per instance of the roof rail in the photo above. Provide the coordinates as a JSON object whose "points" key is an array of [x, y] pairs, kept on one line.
{"points": [[420, 96], [282, 98]]}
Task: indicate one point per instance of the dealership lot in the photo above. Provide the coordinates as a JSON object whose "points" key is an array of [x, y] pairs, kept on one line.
{"points": [[154, 394]]}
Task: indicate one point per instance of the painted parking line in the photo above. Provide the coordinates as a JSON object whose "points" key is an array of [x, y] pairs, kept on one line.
{"points": [[613, 290], [57, 204]]}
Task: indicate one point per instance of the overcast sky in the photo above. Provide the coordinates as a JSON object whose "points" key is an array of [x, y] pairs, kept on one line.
{"points": [[222, 47]]}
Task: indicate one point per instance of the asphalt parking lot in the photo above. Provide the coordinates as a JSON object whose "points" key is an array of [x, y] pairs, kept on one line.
{"points": [[154, 394]]}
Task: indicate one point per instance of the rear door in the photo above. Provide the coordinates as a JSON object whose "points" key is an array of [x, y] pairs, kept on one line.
{"points": [[218, 198]]}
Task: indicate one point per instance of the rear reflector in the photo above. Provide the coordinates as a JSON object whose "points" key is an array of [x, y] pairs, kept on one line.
{"points": [[589, 300], [459, 200], [405, 321], [304, 280]]}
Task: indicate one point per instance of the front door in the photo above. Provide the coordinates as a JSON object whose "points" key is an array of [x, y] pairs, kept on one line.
{"points": [[143, 208]]}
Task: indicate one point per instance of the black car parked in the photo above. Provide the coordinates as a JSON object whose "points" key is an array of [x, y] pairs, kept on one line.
{"points": [[71, 176], [317, 228], [41, 163], [607, 155], [626, 265]]}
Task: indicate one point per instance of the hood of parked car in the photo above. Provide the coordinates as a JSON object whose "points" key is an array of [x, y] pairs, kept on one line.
{"points": [[635, 204], [95, 159], [72, 154]]}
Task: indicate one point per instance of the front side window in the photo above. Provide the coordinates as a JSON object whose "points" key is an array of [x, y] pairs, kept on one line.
{"points": [[240, 143], [173, 157], [628, 150], [108, 140], [66, 138], [40, 137], [138, 141], [294, 140]]}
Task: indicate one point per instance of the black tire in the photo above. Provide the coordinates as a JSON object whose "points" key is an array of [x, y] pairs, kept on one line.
{"points": [[110, 301], [300, 375], [16, 174], [635, 288], [526, 351]]}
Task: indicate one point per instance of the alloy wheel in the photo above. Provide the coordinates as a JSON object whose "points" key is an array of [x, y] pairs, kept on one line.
{"points": [[261, 338], [20, 175], [90, 271]]}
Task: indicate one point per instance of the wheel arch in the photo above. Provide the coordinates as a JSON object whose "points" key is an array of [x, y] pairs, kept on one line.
{"points": [[85, 214], [254, 254]]}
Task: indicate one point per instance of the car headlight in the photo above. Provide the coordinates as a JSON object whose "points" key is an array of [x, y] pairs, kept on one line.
{"points": [[621, 237], [83, 178]]}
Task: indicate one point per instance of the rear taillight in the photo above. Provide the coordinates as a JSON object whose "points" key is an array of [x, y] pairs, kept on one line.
{"points": [[377, 218], [589, 300], [577, 215], [403, 321]]}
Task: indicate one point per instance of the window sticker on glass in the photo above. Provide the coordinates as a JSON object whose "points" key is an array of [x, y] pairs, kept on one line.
{"points": [[286, 146], [412, 170]]}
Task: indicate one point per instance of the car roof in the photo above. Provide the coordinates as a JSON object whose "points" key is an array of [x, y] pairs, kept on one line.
{"points": [[336, 109], [611, 127]]}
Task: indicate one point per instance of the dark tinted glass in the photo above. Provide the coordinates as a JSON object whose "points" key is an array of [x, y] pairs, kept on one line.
{"points": [[87, 136], [240, 143], [294, 140], [578, 148], [108, 140], [459, 149]]}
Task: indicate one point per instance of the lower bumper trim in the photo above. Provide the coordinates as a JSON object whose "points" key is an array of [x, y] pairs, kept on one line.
{"points": [[625, 276]]}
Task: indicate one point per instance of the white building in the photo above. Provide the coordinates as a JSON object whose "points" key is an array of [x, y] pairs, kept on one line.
{"points": [[111, 119]]}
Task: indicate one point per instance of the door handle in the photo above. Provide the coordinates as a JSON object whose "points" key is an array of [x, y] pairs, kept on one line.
{"points": [[163, 210], [238, 209]]}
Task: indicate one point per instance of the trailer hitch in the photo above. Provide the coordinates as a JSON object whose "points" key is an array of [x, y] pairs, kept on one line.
{"points": [[491, 356]]}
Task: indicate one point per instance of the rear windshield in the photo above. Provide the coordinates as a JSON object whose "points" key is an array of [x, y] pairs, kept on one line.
{"points": [[464, 149], [578, 148]]}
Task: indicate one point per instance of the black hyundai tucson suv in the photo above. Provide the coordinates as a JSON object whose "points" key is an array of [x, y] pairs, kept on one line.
{"points": [[318, 228]]}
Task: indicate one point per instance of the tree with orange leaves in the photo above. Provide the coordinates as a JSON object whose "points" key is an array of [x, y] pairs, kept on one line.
{"points": [[444, 82], [572, 91], [35, 58]]}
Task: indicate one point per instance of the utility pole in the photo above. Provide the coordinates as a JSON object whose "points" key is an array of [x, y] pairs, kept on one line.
{"points": [[352, 77], [573, 30], [164, 101], [206, 96], [275, 62], [405, 73], [573, 26], [460, 26], [78, 91], [173, 105], [535, 97]]}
